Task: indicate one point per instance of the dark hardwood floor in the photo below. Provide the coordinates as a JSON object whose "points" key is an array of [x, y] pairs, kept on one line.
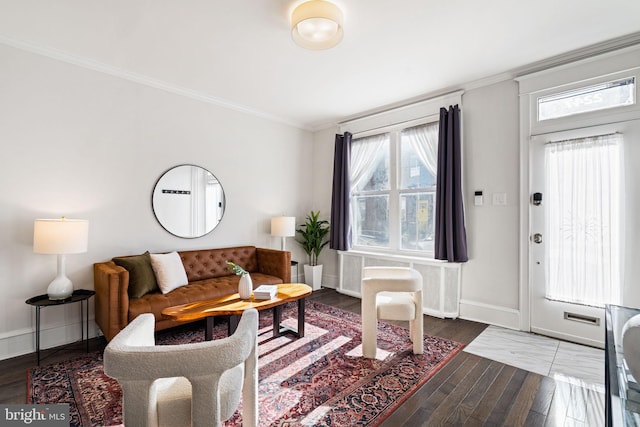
{"points": [[468, 391]]}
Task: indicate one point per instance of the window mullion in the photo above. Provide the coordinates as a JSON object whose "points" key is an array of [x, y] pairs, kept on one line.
{"points": [[394, 197]]}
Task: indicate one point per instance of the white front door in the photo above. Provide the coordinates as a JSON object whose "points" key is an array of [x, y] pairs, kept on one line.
{"points": [[580, 202]]}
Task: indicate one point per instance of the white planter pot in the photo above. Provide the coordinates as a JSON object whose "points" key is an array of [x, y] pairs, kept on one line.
{"points": [[313, 276], [245, 286]]}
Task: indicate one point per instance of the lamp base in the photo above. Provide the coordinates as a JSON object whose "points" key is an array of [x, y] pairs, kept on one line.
{"points": [[60, 288]]}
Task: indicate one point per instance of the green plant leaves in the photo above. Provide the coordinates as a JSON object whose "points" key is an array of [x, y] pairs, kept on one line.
{"points": [[236, 269], [313, 233]]}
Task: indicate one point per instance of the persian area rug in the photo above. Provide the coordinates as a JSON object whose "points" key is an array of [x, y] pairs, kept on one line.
{"points": [[319, 380]]}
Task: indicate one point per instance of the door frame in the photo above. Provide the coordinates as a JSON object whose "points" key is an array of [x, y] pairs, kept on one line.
{"points": [[585, 72]]}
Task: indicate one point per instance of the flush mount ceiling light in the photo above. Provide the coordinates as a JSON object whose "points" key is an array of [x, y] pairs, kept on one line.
{"points": [[316, 24]]}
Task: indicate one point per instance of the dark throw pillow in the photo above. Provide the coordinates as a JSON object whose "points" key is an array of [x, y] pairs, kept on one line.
{"points": [[141, 277]]}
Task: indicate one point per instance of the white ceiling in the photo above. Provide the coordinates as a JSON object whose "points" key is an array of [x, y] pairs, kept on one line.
{"points": [[239, 53]]}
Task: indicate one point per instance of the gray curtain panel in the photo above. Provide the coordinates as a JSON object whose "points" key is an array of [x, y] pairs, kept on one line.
{"points": [[450, 233], [340, 231]]}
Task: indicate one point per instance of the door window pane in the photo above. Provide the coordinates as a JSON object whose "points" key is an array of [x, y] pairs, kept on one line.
{"points": [[584, 188], [618, 93]]}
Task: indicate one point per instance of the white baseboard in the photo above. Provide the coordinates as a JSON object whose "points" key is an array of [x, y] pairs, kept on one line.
{"points": [[433, 313], [490, 314], [349, 293], [23, 341], [330, 281]]}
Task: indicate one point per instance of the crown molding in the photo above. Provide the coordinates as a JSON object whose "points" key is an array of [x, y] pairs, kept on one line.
{"points": [[631, 40], [142, 79], [609, 46], [587, 53], [567, 58]]}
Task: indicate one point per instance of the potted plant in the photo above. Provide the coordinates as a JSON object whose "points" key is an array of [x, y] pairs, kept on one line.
{"points": [[312, 239]]}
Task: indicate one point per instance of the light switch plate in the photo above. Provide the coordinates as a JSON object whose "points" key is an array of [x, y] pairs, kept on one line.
{"points": [[478, 198], [499, 199]]}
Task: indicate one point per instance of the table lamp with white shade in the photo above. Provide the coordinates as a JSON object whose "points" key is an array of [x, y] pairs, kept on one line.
{"points": [[61, 237], [283, 226]]}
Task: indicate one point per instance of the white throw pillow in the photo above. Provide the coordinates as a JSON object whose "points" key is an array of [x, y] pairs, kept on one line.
{"points": [[169, 271]]}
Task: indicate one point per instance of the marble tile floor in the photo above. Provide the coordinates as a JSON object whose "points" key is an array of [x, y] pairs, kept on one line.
{"points": [[563, 361]]}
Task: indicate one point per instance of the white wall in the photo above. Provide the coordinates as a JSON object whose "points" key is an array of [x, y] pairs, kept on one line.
{"points": [[323, 149], [491, 164], [83, 144]]}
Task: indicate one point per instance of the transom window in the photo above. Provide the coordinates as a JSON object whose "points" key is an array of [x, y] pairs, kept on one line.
{"points": [[393, 185], [618, 93]]}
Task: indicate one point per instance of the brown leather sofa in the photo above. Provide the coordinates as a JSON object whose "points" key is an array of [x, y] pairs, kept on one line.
{"points": [[208, 274]]}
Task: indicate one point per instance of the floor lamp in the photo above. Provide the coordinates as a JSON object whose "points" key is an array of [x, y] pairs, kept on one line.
{"points": [[283, 226], [61, 237]]}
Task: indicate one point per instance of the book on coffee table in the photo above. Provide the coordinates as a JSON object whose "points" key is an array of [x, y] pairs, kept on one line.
{"points": [[265, 291]]}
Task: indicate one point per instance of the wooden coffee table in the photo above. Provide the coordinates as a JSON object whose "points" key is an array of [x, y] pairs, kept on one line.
{"points": [[233, 307]]}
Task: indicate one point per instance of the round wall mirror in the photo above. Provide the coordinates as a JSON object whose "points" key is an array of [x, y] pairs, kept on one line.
{"points": [[188, 201]]}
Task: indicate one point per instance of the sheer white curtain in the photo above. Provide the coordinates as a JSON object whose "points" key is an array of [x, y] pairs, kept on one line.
{"points": [[365, 155], [424, 141], [585, 212]]}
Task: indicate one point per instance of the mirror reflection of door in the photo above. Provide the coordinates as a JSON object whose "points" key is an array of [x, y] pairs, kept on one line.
{"points": [[188, 201]]}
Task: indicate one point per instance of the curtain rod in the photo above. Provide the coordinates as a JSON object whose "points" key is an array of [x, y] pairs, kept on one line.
{"points": [[560, 141]]}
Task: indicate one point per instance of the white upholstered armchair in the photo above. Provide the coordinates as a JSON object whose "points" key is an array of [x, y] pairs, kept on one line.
{"points": [[196, 384], [391, 293]]}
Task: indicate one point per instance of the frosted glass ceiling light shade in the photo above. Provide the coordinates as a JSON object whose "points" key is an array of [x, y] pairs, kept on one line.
{"points": [[283, 226], [61, 237], [317, 24]]}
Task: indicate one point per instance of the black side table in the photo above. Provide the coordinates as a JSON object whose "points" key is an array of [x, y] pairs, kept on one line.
{"points": [[295, 264], [79, 295]]}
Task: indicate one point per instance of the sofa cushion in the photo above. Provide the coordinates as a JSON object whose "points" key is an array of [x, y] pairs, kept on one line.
{"points": [[142, 280], [169, 271]]}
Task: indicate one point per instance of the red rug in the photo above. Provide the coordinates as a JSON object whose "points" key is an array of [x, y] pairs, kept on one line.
{"points": [[318, 380]]}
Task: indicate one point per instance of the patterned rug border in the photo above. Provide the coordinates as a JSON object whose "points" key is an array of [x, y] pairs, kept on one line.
{"points": [[329, 314]]}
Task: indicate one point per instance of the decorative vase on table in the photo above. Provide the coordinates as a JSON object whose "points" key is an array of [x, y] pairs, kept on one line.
{"points": [[245, 286]]}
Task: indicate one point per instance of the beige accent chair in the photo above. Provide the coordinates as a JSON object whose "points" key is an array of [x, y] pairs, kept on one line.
{"points": [[391, 293], [197, 384]]}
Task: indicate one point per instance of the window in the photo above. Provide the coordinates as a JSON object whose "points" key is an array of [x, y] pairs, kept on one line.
{"points": [[618, 93], [393, 184]]}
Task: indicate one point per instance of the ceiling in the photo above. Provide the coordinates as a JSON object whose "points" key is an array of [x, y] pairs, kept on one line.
{"points": [[239, 53]]}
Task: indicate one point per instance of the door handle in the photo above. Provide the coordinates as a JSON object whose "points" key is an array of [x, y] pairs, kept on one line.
{"points": [[537, 238]]}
